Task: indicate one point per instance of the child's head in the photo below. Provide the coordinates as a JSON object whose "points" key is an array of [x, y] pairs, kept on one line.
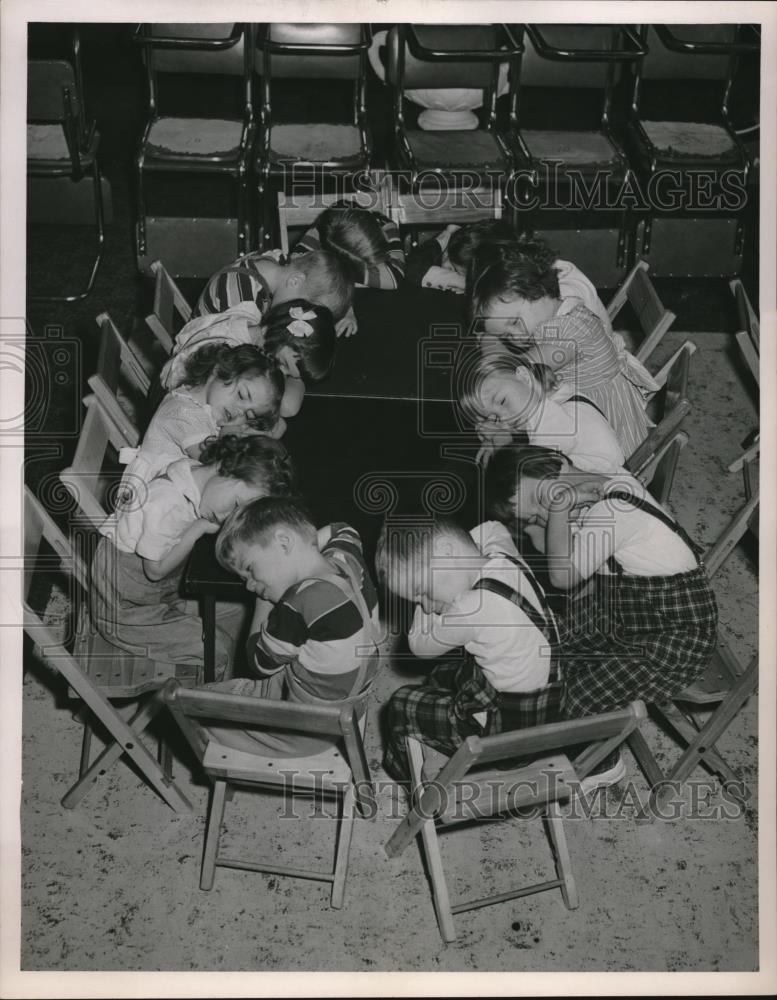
{"points": [[301, 337], [429, 564], [496, 386], [321, 277], [241, 384], [354, 234], [518, 483], [465, 241], [270, 544], [245, 468], [512, 292]]}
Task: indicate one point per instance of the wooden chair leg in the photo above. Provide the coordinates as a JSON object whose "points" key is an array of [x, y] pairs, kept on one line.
{"points": [[126, 739], [344, 833], [165, 757], [212, 834], [431, 847], [558, 839], [86, 747]]}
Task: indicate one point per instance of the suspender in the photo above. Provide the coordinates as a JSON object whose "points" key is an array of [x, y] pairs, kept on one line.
{"points": [[656, 512], [546, 624], [583, 399]]}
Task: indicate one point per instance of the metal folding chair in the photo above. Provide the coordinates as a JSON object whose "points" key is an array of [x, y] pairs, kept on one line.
{"points": [[62, 146]]}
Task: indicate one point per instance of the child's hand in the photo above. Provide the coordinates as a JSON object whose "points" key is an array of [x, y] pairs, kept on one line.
{"points": [[206, 527], [347, 326], [565, 494], [484, 454]]}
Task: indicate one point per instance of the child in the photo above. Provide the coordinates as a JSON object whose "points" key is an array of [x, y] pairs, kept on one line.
{"points": [[225, 390], [471, 591], [266, 279], [443, 261], [368, 240], [299, 336], [520, 302], [501, 396], [650, 625], [137, 567], [317, 644]]}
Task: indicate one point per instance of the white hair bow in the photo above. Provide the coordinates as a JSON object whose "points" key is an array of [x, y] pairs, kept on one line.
{"points": [[299, 327]]}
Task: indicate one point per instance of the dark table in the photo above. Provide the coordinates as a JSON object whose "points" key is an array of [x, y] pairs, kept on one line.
{"points": [[378, 439]]}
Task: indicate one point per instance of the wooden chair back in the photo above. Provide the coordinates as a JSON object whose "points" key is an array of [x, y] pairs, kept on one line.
{"points": [[94, 475], [669, 407], [654, 319], [749, 333], [48, 549], [658, 475], [171, 310], [344, 776], [466, 789], [119, 370]]}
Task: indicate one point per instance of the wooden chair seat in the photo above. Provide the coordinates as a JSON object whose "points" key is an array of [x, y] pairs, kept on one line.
{"points": [[325, 771], [120, 674], [544, 780]]}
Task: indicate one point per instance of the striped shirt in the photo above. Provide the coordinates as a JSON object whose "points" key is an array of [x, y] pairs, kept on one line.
{"points": [[388, 274], [241, 281], [317, 629]]}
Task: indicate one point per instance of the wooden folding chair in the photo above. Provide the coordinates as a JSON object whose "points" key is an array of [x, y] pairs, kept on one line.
{"points": [[725, 683], [654, 319], [465, 790], [119, 370], [342, 772], [658, 475], [171, 310], [668, 408], [96, 670], [95, 474]]}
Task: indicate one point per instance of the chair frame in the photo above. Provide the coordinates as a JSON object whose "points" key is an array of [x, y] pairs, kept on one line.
{"points": [[82, 141], [507, 790], [749, 335], [726, 683], [117, 358], [80, 478], [169, 302], [226, 768], [236, 167], [654, 318], [125, 735], [408, 38], [673, 379]]}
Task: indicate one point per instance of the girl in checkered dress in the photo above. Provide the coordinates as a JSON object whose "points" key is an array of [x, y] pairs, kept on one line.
{"points": [[648, 625], [476, 600]]}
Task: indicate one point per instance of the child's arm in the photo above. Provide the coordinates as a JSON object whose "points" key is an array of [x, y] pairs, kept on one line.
{"points": [[293, 394], [434, 634], [562, 546], [158, 569], [426, 264]]}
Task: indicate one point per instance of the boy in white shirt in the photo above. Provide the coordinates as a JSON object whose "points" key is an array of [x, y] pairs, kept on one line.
{"points": [[473, 595]]}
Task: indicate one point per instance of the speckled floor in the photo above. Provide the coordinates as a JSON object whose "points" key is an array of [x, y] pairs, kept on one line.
{"points": [[113, 884]]}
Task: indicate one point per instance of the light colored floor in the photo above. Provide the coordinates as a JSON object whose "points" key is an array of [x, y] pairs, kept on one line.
{"points": [[113, 885]]}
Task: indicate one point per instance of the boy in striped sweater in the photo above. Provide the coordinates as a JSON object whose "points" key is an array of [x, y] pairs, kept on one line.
{"points": [[315, 628]]}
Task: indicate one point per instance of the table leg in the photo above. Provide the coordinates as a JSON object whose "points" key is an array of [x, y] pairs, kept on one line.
{"points": [[208, 615]]}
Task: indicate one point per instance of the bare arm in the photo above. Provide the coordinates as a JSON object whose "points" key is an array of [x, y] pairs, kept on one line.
{"points": [[293, 395], [429, 635], [157, 569]]}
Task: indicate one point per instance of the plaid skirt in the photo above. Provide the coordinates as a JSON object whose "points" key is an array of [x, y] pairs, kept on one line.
{"points": [[441, 712], [636, 637]]}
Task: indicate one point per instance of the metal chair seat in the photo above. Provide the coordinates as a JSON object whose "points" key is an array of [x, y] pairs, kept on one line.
{"points": [[574, 148], [195, 138], [316, 144], [438, 150], [47, 150]]}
